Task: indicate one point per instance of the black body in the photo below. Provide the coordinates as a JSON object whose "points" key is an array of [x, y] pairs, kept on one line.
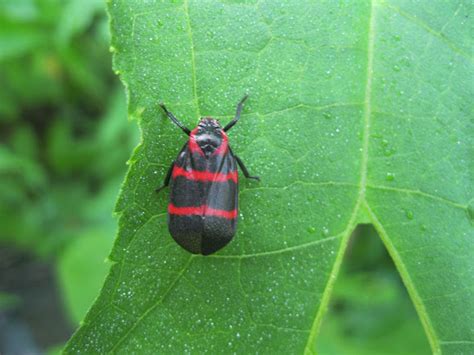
{"points": [[203, 207]]}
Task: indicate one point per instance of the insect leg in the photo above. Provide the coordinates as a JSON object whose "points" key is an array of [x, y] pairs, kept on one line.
{"points": [[175, 120], [167, 178], [237, 114], [244, 169]]}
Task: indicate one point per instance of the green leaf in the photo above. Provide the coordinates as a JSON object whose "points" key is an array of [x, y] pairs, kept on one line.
{"points": [[358, 112]]}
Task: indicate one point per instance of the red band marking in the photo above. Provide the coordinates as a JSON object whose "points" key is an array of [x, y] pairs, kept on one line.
{"points": [[223, 147], [202, 210], [195, 148], [204, 175]]}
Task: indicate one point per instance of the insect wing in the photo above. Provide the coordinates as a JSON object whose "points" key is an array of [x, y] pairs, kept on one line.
{"points": [[221, 202], [202, 213]]}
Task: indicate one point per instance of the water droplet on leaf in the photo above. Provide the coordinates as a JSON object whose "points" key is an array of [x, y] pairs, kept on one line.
{"points": [[327, 115]]}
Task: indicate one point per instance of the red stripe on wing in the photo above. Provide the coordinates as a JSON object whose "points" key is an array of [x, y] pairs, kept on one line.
{"points": [[194, 147], [202, 210], [204, 175], [224, 145]]}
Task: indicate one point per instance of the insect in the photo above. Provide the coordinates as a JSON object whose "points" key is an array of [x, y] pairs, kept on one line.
{"points": [[202, 210]]}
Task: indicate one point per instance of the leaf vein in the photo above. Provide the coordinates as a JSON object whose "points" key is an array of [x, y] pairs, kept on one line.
{"points": [[437, 34], [362, 185], [410, 285], [277, 251], [193, 58], [419, 193], [455, 342], [156, 304]]}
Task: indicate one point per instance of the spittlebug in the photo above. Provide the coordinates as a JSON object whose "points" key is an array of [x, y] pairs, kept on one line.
{"points": [[202, 210]]}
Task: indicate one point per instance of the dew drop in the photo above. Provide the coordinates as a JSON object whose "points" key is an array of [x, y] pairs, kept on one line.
{"points": [[390, 177], [327, 115]]}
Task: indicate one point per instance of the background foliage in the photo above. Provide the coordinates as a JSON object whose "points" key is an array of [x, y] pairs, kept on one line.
{"points": [[65, 139]]}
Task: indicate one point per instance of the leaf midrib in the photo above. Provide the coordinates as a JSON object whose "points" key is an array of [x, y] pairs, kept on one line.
{"points": [[362, 186], [193, 59], [361, 200]]}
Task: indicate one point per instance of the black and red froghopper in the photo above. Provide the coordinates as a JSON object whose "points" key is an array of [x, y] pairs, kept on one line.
{"points": [[203, 207]]}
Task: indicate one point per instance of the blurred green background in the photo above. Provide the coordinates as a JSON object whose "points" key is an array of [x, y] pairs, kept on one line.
{"points": [[65, 139]]}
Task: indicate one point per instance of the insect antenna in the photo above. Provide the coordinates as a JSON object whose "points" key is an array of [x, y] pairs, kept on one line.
{"points": [[175, 120], [237, 114]]}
